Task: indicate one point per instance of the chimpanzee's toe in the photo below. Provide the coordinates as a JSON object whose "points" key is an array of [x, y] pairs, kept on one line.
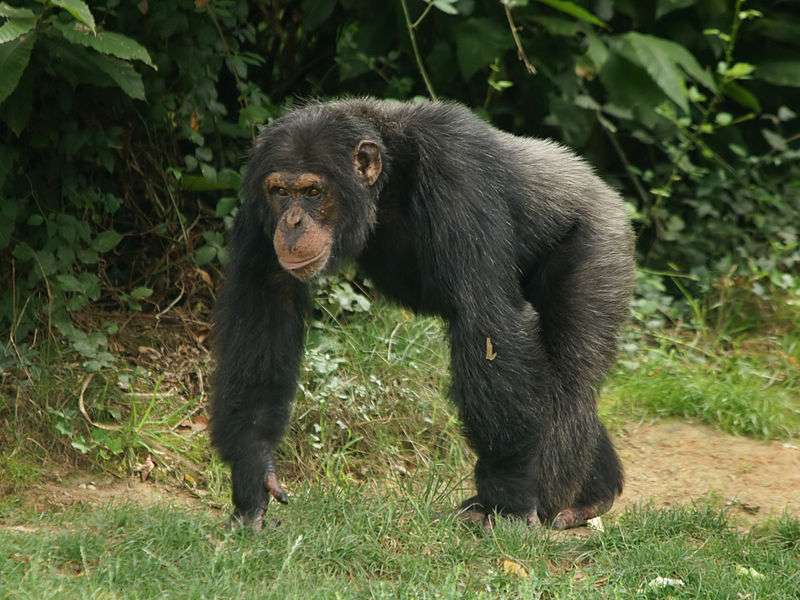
{"points": [[473, 512], [575, 517], [254, 521]]}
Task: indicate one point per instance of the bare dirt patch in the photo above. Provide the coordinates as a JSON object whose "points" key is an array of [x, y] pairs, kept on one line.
{"points": [[666, 463], [94, 490], [673, 462]]}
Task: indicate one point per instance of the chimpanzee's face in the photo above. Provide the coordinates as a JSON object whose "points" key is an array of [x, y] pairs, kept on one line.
{"points": [[308, 212], [305, 208]]}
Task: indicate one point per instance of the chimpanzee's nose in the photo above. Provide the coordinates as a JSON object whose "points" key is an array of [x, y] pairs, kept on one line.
{"points": [[294, 217]]}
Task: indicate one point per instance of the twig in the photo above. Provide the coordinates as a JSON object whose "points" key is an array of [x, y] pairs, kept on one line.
{"points": [[391, 339], [150, 395], [424, 14], [520, 49], [201, 384], [626, 163], [417, 56], [82, 408], [171, 304], [16, 321]]}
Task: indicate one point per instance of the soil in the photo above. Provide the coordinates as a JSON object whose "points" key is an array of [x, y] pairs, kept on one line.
{"points": [[672, 462], [666, 463]]}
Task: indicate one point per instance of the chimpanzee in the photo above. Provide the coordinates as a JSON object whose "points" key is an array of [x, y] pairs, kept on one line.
{"points": [[515, 242]]}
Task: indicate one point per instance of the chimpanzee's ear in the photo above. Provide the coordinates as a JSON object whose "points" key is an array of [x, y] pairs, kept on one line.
{"points": [[367, 161]]}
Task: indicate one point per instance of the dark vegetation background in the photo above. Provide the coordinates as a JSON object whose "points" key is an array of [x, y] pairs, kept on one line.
{"points": [[124, 127]]}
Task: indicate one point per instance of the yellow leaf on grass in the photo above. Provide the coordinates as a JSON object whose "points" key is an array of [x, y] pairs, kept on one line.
{"points": [[512, 567]]}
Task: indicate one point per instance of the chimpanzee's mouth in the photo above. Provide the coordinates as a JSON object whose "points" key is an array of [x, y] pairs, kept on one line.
{"points": [[306, 268]]}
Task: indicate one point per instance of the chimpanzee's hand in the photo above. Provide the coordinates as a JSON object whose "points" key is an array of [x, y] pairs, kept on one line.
{"points": [[251, 504]]}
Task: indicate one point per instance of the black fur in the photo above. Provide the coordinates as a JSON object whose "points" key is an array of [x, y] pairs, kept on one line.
{"points": [[508, 238]]}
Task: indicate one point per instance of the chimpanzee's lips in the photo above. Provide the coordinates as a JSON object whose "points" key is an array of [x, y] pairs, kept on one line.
{"points": [[294, 265]]}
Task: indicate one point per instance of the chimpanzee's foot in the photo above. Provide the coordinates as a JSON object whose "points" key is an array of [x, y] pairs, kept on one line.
{"points": [[575, 517], [472, 511], [254, 521]]}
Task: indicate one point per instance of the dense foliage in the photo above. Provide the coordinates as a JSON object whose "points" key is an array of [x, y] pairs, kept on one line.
{"points": [[124, 126]]}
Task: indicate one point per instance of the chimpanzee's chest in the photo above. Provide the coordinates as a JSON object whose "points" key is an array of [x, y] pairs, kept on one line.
{"points": [[391, 261]]}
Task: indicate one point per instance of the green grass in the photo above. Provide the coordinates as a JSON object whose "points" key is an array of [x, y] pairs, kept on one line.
{"points": [[355, 543], [757, 395], [373, 401], [376, 459]]}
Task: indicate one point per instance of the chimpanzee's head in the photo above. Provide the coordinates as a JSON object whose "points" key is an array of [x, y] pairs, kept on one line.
{"points": [[315, 175]]}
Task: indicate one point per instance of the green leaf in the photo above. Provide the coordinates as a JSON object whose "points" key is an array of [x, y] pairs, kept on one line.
{"points": [[780, 27], [204, 255], [80, 445], [739, 71], [70, 283], [14, 28], [630, 87], [17, 107], [664, 7], [662, 69], [572, 9], [106, 42], [478, 43], [776, 141], [88, 257], [724, 119], [681, 56], [14, 57], [12, 12], [106, 240], [121, 72], [198, 183], [78, 9], [316, 12], [227, 179], [23, 252], [786, 114], [140, 293], [779, 72], [558, 26], [225, 206], [446, 6], [742, 95], [662, 59], [575, 123]]}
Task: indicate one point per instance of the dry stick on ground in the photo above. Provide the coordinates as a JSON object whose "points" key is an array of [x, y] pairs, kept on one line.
{"points": [[520, 49], [82, 408]]}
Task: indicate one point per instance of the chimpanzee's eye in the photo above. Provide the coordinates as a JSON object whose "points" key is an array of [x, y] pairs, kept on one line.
{"points": [[282, 191], [313, 192]]}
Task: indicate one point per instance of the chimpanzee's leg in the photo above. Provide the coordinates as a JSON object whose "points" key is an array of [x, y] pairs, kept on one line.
{"points": [[258, 341], [528, 405], [581, 293], [537, 442], [503, 387]]}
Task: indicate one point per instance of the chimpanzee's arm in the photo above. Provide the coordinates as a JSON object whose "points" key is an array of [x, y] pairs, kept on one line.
{"points": [[258, 343]]}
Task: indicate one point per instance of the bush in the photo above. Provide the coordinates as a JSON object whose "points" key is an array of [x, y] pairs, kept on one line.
{"points": [[125, 125]]}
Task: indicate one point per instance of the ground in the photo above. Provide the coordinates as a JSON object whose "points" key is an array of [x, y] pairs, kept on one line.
{"points": [[667, 463], [375, 463], [691, 523], [675, 462]]}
